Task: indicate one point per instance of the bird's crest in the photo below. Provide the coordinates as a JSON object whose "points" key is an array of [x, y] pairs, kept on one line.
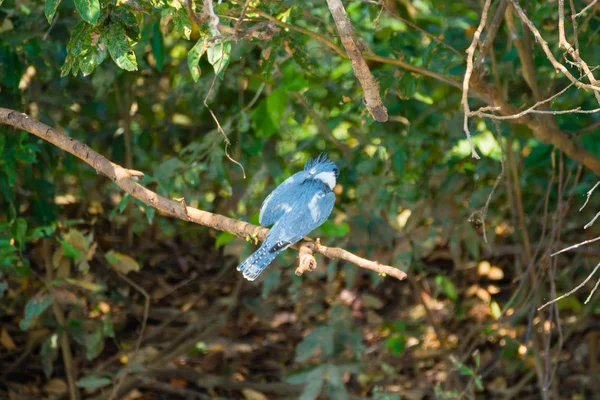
{"points": [[320, 164]]}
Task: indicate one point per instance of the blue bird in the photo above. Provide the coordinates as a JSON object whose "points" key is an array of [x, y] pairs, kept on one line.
{"points": [[296, 207]]}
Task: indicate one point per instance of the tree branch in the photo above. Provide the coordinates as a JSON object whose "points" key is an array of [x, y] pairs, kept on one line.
{"points": [[544, 129], [361, 69], [124, 179]]}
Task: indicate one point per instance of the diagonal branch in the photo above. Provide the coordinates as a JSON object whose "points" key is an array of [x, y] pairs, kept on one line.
{"points": [[359, 65], [124, 179]]}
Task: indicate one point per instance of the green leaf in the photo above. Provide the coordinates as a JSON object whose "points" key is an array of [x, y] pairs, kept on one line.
{"points": [[265, 126], [169, 168], [149, 211], [396, 343], [321, 336], [293, 80], [50, 9], [183, 26], [49, 354], [33, 309], [108, 329], [194, 58], [18, 231], [218, 56], [89, 10], [276, 104], [407, 86], [119, 48], [447, 287], [93, 382], [94, 343], [120, 207], [335, 230], [127, 19], [471, 240], [314, 384], [83, 41], [336, 387], [70, 251], [158, 47], [94, 58], [223, 238]]}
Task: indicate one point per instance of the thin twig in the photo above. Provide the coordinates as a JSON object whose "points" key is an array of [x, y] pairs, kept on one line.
{"points": [[589, 194], [538, 37], [576, 246], [576, 288], [592, 221], [580, 13], [469, 72]]}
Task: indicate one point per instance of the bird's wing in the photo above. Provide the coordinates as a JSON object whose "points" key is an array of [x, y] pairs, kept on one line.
{"points": [[309, 213], [280, 200]]}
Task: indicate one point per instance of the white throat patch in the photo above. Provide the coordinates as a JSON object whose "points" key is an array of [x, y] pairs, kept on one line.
{"points": [[327, 178]]}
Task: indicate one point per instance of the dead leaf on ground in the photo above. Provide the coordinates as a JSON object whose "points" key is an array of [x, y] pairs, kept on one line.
{"points": [[6, 340]]}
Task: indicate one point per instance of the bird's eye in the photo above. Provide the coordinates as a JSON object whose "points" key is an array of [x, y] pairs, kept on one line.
{"points": [[336, 172]]}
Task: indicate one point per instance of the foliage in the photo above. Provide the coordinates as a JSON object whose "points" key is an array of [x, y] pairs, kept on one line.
{"points": [[155, 88]]}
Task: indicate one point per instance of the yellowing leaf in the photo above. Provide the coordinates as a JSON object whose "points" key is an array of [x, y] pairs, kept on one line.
{"points": [[122, 262], [495, 310], [495, 273], [56, 387], [483, 295], [6, 340], [251, 394], [483, 268], [493, 289]]}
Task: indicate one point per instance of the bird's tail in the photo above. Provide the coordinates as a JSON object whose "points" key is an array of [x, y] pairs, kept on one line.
{"points": [[254, 265]]}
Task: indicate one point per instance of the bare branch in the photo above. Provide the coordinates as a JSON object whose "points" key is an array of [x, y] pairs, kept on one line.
{"points": [[469, 72], [580, 13], [576, 288], [538, 37], [361, 69], [576, 245], [589, 194], [123, 178]]}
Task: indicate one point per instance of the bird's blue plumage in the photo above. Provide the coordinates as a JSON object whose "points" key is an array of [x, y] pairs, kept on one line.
{"points": [[299, 205]]}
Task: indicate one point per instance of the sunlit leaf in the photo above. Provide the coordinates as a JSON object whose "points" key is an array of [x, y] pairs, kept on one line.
{"points": [[50, 9], [128, 20], [194, 56], [183, 26], [89, 10], [119, 48], [218, 56]]}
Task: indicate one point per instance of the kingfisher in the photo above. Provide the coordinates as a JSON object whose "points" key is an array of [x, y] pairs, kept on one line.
{"points": [[302, 203]]}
